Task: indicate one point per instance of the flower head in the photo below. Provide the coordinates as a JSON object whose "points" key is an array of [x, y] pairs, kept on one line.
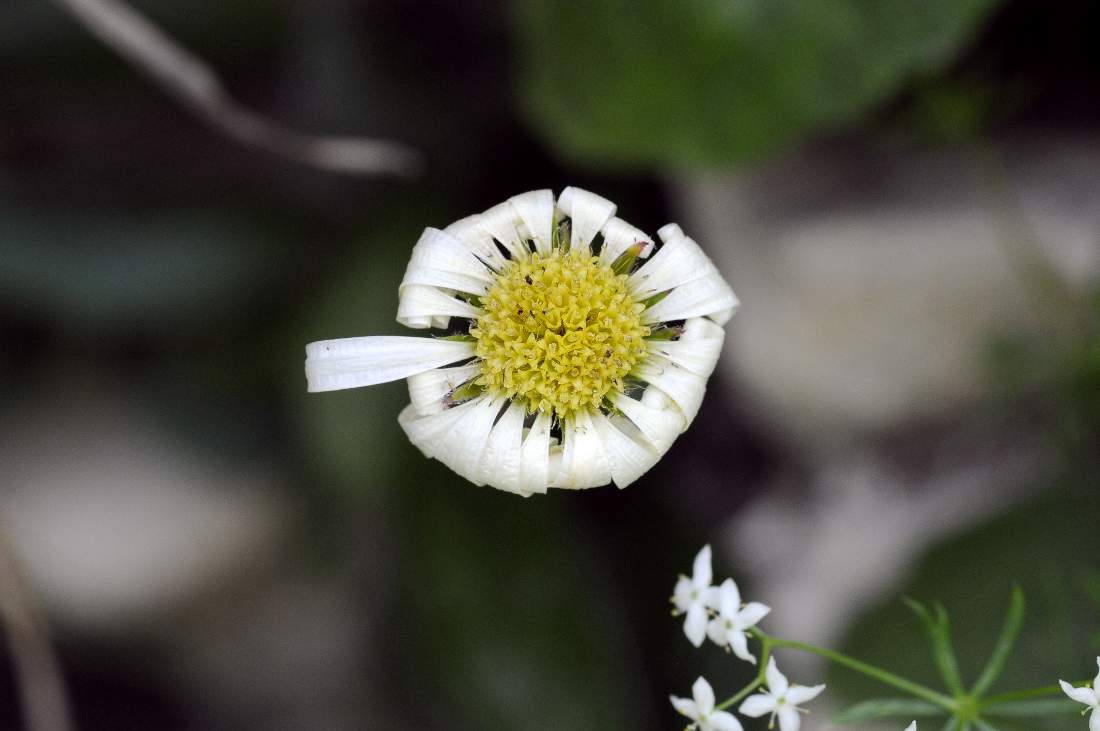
{"points": [[781, 699], [728, 628], [1089, 695], [700, 709], [564, 360], [694, 596]]}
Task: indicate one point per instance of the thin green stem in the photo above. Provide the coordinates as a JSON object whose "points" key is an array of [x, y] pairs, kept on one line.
{"points": [[883, 676], [1028, 694], [765, 653]]}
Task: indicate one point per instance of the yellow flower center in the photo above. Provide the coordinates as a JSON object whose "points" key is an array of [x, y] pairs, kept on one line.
{"points": [[560, 332]]}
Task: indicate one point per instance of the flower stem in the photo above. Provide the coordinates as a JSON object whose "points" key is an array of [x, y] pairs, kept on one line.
{"points": [[765, 653], [1028, 694], [883, 676]]}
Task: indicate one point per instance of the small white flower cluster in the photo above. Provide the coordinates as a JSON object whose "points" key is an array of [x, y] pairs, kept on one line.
{"points": [[1089, 695], [717, 612]]}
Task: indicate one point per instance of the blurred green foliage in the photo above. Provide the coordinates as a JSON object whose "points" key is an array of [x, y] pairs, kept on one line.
{"points": [[715, 82]]}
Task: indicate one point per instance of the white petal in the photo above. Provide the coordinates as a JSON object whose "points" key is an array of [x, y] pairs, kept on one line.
{"points": [[729, 598], [1096, 682], [724, 721], [588, 213], [534, 467], [789, 718], [1094, 720], [751, 614], [701, 574], [352, 362], [677, 262], [660, 426], [461, 446], [716, 631], [503, 224], [682, 386], [695, 624], [442, 260], [475, 238], [707, 296], [428, 389], [629, 459], [698, 348], [426, 430], [1081, 695], [584, 463], [704, 696], [799, 694], [739, 643], [618, 236], [911, 727], [417, 302], [757, 705], [685, 707], [536, 210], [682, 593], [501, 461], [777, 681]]}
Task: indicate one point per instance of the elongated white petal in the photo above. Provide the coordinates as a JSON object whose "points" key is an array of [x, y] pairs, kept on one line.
{"points": [[536, 210], [757, 705], [751, 614], [428, 389], [503, 224], [695, 624], [789, 718], [1094, 720], [588, 213], [618, 236], [724, 721], [729, 598], [716, 631], [701, 574], [682, 386], [584, 463], [628, 458], [418, 302], [777, 681], [500, 464], [698, 348], [703, 695], [476, 239], [659, 425], [1081, 695], [463, 445], [799, 694], [707, 296], [911, 727], [534, 468], [685, 707], [739, 643], [440, 259], [352, 362], [677, 262], [1096, 681]]}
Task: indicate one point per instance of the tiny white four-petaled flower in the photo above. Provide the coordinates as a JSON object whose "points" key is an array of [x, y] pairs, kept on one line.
{"points": [[728, 628], [567, 362], [700, 709], [694, 595], [1089, 695], [781, 699]]}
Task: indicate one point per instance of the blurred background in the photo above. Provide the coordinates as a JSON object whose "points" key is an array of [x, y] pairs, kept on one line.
{"points": [[906, 197]]}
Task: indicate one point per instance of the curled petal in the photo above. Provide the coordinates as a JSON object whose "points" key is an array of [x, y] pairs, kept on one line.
{"points": [[707, 296], [352, 362], [583, 462], [677, 262], [659, 425], [428, 389], [536, 210], [440, 259], [628, 458], [503, 224], [618, 236], [588, 213], [418, 302], [698, 348], [682, 386], [534, 467], [475, 238], [500, 464]]}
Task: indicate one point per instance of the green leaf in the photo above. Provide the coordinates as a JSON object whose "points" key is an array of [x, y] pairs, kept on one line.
{"points": [[887, 708], [984, 725], [938, 630], [1010, 630], [1036, 707], [715, 82]]}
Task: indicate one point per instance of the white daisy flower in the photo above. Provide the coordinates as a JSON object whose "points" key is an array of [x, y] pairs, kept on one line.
{"points": [[728, 628], [780, 699], [567, 362], [1090, 696], [700, 709]]}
